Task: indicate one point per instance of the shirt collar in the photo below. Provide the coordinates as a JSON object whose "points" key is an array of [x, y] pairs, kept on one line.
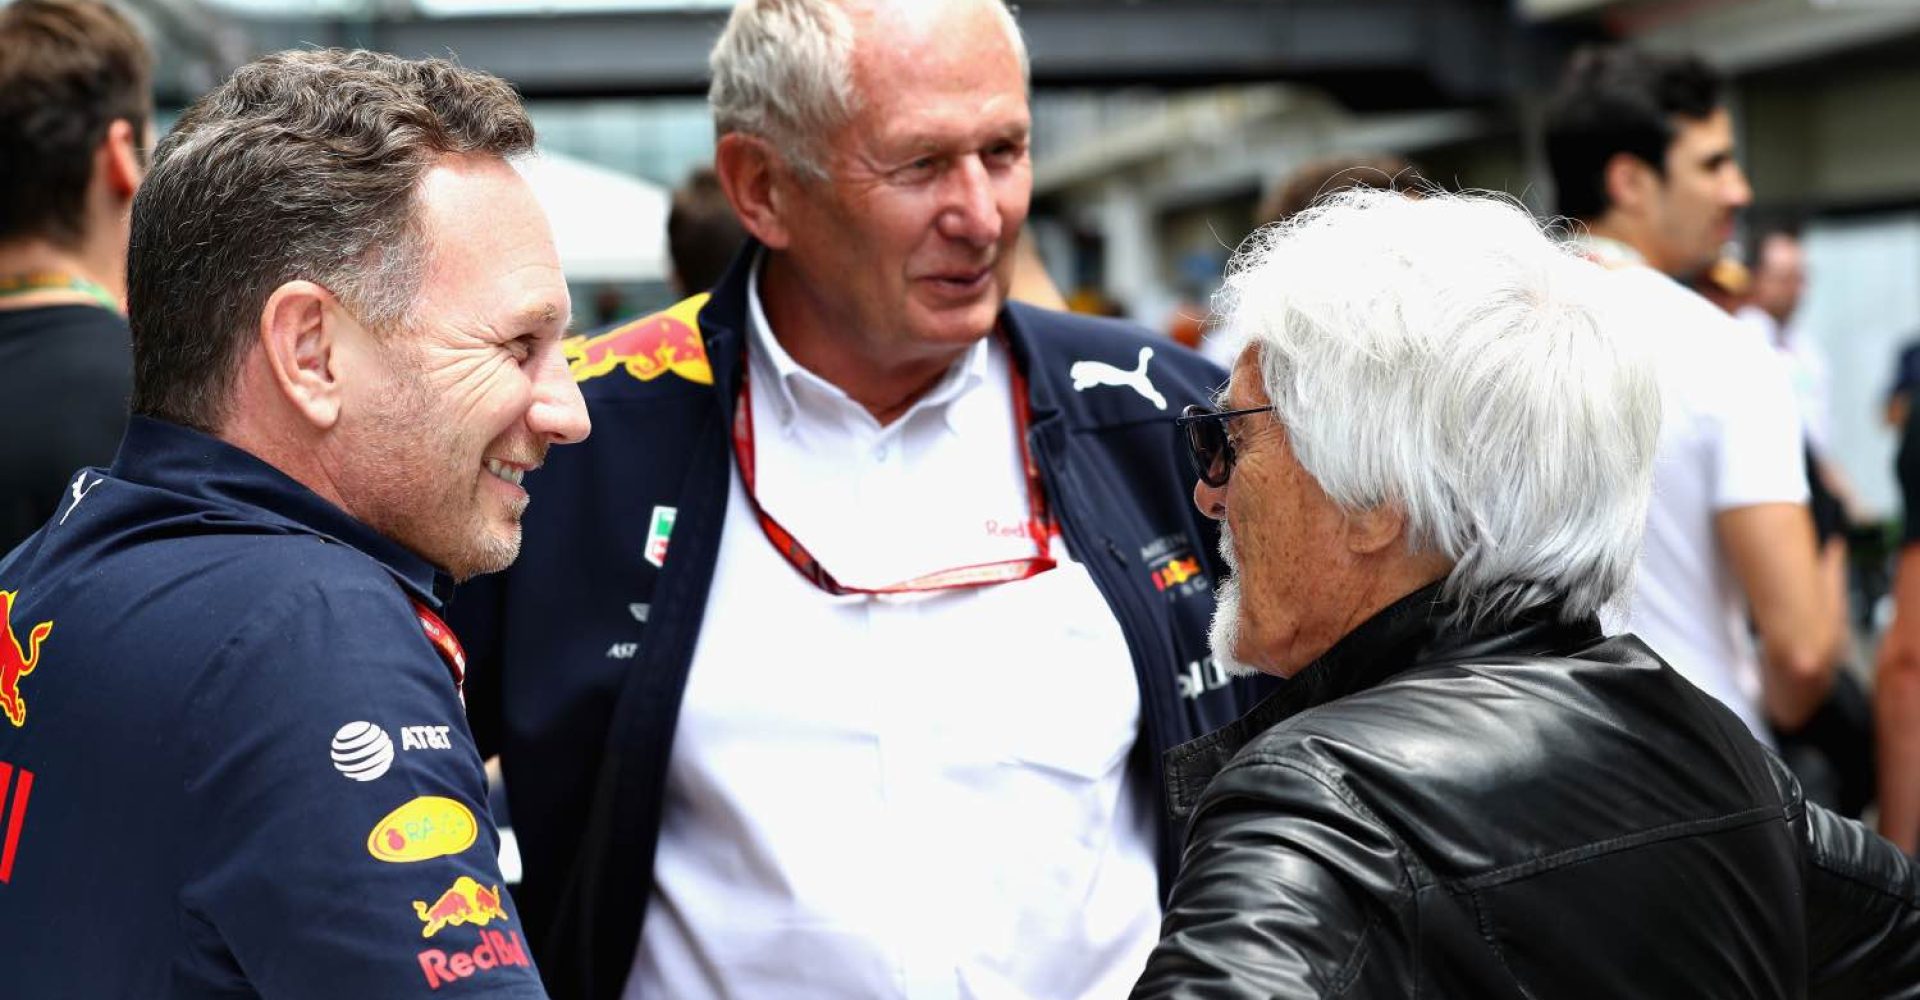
{"points": [[1413, 631], [186, 462], [792, 388], [1609, 252]]}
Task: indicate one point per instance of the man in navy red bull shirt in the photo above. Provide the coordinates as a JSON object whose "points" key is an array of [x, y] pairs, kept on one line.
{"points": [[233, 760]]}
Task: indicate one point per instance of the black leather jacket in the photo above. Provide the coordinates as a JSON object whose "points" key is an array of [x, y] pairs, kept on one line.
{"points": [[1538, 811]]}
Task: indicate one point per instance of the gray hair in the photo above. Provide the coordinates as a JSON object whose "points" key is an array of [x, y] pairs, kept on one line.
{"points": [[783, 71], [302, 165], [1445, 356]]}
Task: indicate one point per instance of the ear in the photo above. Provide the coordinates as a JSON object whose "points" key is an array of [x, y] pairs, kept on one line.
{"points": [[758, 184], [303, 340], [1631, 182], [1371, 531], [117, 161]]}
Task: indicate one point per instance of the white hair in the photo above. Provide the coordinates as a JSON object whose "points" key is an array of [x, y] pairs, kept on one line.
{"points": [[783, 71], [1445, 355]]}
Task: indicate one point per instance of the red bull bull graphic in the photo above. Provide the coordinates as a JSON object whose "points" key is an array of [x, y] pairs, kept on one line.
{"points": [[18, 784], [495, 951], [425, 828], [647, 348], [1175, 573], [17, 661], [467, 902]]}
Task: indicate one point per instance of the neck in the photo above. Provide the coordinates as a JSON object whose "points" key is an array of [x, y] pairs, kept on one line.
{"points": [[1625, 232], [884, 375], [38, 256]]}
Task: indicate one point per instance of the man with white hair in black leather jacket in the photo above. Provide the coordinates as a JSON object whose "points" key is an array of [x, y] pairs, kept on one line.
{"points": [[1432, 463]]}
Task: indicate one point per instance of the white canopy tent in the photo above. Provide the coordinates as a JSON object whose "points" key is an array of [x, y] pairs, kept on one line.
{"points": [[609, 226]]}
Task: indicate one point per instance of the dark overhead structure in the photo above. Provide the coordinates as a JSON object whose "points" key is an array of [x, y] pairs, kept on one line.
{"points": [[1374, 54]]}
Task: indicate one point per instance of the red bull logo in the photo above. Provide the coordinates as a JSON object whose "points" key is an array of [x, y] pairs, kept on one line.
{"points": [[647, 348], [495, 951], [467, 902], [1175, 573], [17, 661]]}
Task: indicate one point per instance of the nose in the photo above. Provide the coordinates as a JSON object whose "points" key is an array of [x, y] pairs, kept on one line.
{"points": [[1739, 191], [1211, 500], [559, 412], [972, 213]]}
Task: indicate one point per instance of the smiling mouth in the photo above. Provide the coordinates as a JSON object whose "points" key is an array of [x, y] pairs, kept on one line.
{"points": [[510, 473]]}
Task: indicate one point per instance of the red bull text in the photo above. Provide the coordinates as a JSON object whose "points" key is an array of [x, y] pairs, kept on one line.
{"points": [[495, 951]]}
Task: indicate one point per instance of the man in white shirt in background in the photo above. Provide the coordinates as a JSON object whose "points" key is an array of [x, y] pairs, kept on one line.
{"points": [[1642, 152]]}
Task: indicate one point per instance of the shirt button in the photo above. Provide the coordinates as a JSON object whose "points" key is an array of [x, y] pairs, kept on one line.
{"points": [[880, 453]]}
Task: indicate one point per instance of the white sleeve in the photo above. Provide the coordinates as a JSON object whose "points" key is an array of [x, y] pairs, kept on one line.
{"points": [[1760, 447]]}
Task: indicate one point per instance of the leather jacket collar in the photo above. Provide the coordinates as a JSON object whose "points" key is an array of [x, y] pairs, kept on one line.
{"points": [[1412, 631]]}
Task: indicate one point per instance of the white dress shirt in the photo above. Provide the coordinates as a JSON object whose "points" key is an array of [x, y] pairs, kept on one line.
{"points": [[916, 796]]}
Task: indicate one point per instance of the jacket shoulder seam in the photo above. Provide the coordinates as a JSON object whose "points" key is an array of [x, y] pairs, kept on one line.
{"points": [[1410, 866], [1611, 845]]}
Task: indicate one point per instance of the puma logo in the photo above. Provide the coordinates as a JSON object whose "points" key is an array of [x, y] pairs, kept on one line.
{"points": [[80, 489], [1087, 374]]}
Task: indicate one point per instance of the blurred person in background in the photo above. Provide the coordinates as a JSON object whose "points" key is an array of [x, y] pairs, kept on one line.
{"points": [[1641, 148], [1308, 183], [346, 309], [1833, 753], [1031, 283], [1896, 691], [1433, 465], [843, 660], [75, 124], [703, 234]]}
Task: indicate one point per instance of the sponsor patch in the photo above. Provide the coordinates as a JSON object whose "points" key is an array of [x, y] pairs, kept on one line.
{"points": [[428, 827], [495, 951], [16, 660], [659, 529], [425, 738], [362, 751], [646, 348], [1201, 676], [466, 902]]}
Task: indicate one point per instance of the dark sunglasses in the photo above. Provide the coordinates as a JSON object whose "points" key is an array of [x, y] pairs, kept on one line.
{"points": [[1208, 448]]}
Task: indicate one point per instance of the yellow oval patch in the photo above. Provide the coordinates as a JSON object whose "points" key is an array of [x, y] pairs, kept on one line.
{"points": [[428, 827]]}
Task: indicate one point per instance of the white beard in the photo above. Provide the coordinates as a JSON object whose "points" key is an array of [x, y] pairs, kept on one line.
{"points": [[1225, 631]]}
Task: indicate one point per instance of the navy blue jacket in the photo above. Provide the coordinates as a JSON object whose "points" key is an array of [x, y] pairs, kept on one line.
{"points": [[237, 765], [579, 654]]}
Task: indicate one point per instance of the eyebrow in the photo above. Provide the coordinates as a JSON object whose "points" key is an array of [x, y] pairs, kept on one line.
{"points": [[1717, 159]]}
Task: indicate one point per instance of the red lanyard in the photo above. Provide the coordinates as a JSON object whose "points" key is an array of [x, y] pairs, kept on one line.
{"points": [[1039, 523], [444, 643]]}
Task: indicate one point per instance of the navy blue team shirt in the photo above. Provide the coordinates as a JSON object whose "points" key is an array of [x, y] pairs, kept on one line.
{"points": [[232, 761]]}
